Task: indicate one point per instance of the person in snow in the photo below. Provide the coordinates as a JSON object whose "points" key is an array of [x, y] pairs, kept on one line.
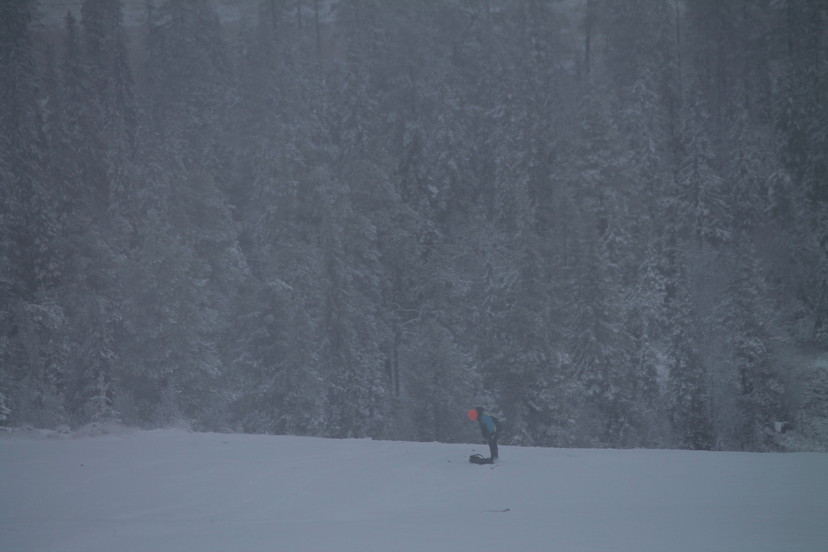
{"points": [[488, 428]]}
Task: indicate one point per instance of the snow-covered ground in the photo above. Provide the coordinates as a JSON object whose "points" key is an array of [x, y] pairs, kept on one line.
{"points": [[171, 490]]}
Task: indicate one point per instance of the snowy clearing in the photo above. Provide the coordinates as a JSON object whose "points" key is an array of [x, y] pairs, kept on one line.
{"points": [[170, 490]]}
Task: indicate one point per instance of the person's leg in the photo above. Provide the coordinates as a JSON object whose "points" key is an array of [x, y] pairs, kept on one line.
{"points": [[493, 448]]}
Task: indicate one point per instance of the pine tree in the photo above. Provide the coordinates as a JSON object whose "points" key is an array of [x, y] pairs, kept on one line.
{"points": [[439, 379], [698, 186], [598, 344], [84, 166], [273, 354], [168, 340], [800, 104], [688, 399], [750, 172], [800, 115], [745, 318], [31, 319], [111, 81], [188, 79], [351, 331], [21, 146]]}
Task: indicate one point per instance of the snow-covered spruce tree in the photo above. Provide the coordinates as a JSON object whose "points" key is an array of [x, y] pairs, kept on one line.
{"points": [[800, 112], [698, 187], [517, 306], [438, 381], [34, 252], [714, 45], [812, 418], [745, 317], [640, 46], [688, 398], [648, 324], [21, 153], [110, 77], [514, 336], [539, 397], [606, 258], [161, 321], [94, 143], [751, 171], [353, 182], [517, 347], [185, 242], [273, 376], [113, 92], [599, 348], [351, 332], [31, 321], [188, 77], [641, 63], [182, 276], [271, 348], [801, 117], [5, 411]]}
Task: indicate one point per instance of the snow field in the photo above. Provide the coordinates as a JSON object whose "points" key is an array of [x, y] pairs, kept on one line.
{"points": [[174, 491]]}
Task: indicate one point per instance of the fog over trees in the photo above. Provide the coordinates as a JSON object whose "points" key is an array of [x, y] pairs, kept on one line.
{"points": [[606, 220]]}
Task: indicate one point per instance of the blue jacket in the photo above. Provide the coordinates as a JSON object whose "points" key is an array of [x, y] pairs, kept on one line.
{"points": [[488, 426]]}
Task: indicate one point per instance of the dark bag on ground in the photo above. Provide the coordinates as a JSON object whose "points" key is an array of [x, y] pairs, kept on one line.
{"points": [[479, 459]]}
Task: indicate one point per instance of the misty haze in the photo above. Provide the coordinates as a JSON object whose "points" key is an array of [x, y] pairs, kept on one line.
{"points": [[584, 224]]}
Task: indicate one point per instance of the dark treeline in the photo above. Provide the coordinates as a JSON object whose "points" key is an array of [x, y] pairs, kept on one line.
{"points": [[607, 220]]}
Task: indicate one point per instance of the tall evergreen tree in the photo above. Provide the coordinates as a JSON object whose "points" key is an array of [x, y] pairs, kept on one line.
{"points": [[745, 318], [28, 222], [351, 330], [688, 399], [699, 188]]}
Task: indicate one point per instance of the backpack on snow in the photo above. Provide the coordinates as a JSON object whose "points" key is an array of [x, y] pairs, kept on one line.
{"points": [[479, 459]]}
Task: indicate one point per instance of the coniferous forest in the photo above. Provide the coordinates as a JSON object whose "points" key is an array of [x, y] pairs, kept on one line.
{"points": [[604, 220]]}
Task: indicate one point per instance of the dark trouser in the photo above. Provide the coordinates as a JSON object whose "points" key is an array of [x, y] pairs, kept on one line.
{"points": [[493, 447]]}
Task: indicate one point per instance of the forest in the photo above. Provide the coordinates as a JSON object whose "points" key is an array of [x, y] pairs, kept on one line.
{"points": [[605, 221]]}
